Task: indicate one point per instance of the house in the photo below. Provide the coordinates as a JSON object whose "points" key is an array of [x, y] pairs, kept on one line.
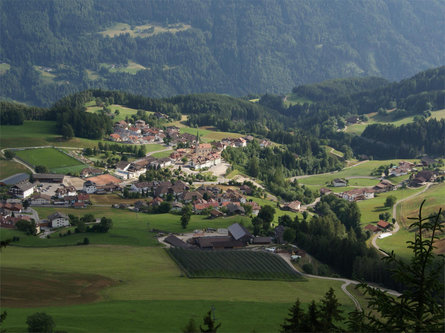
{"points": [[383, 225], [235, 208], [203, 149], [177, 207], [214, 213], [217, 242], [358, 194], [89, 187], [122, 169], [40, 199], [192, 196], [245, 190], [428, 161], [422, 177], [90, 172], [372, 228], [255, 207], [384, 186], [353, 119], [325, 191], [48, 177], [64, 191], [58, 219], [14, 179], [83, 197], [240, 142], [239, 233], [337, 182], [293, 206], [161, 162], [142, 187], [22, 190]]}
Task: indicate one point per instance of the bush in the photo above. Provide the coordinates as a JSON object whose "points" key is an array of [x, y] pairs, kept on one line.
{"points": [[308, 268]]}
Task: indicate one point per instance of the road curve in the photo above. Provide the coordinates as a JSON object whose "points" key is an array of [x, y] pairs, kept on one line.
{"points": [[394, 215]]}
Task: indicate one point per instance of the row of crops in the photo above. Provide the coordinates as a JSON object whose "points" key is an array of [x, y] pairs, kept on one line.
{"points": [[233, 264]]}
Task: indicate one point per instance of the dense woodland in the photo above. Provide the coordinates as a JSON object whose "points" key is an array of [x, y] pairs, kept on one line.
{"points": [[54, 48]]}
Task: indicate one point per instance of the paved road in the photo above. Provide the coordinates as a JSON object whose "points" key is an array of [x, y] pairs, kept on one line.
{"points": [[394, 214]]}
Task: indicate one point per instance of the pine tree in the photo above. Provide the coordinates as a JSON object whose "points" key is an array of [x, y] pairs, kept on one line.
{"points": [[210, 323], [294, 322]]}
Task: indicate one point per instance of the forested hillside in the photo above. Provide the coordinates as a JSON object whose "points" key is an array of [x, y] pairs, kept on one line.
{"points": [[50, 49]]}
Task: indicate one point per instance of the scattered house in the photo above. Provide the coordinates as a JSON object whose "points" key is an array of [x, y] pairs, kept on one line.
{"points": [[325, 191], [245, 190], [234, 208], [383, 225], [14, 179], [353, 119], [48, 177], [372, 228], [90, 172], [58, 219], [23, 189], [293, 206], [239, 233], [255, 207], [39, 199], [428, 161], [214, 213], [337, 182], [384, 186], [240, 142], [176, 242], [358, 194], [422, 177], [89, 187], [265, 143]]}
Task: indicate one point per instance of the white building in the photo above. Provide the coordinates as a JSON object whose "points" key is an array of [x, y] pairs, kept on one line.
{"points": [[89, 187], [58, 220]]}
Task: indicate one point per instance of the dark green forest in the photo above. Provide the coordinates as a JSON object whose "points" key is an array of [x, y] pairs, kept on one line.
{"points": [[51, 49]]}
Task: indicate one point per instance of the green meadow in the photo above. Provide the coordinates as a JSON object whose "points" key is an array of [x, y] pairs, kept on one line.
{"points": [[51, 158], [123, 110], [129, 228]]}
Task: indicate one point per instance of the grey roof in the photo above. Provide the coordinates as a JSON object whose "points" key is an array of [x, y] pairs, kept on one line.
{"points": [[238, 231], [25, 185], [14, 179], [176, 242], [57, 215], [48, 176]]}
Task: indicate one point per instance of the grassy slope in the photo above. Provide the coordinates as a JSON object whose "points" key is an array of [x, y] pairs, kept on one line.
{"points": [[149, 275], [129, 228], [9, 168], [375, 119]]}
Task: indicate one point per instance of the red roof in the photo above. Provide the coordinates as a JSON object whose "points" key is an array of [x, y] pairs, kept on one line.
{"points": [[383, 224]]}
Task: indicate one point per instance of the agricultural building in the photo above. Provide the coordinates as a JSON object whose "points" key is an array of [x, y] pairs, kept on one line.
{"points": [[48, 177]]}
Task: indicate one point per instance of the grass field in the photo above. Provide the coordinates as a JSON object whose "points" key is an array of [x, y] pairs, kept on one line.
{"points": [[292, 99], [363, 169], [123, 110], [162, 154], [129, 228], [374, 118], [370, 209], [150, 288], [9, 168], [233, 264], [143, 31], [53, 159], [131, 68]]}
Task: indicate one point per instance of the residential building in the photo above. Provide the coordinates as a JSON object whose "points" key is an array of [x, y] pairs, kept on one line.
{"points": [[58, 220]]}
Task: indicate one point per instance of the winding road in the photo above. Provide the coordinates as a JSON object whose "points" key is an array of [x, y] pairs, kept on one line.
{"points": [[394, 214]]}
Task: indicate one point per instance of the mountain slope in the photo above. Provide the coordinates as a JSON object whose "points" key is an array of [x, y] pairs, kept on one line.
{"points": [[165, 48]]}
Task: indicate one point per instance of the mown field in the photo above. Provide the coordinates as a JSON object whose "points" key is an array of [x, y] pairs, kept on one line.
{"points": [[233, 264], [123, 110], [9, 168], [150, 290], [51, 158]]}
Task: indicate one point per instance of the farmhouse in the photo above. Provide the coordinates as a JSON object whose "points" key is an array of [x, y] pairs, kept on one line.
{"points": [[90, 172], [358, 194], [293, 206], [57, 220], [325, 191], [383, 225], [176, 242], [372, 228], [22, 190], [422, 178], [384, 186], [217, 242]]}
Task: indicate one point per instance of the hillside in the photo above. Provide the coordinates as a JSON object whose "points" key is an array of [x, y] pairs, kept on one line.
{"points": [[54, 48]]}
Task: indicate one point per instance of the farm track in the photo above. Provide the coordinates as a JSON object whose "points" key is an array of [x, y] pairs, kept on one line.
{"points": [[346, 283], [396, 225]]}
